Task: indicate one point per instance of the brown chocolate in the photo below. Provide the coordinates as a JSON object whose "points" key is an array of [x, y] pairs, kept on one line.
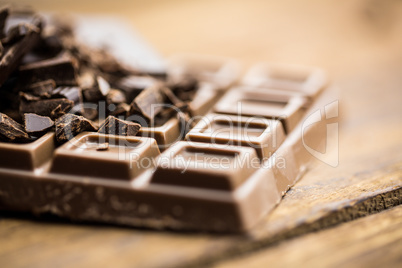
{"points": [[70, 125], [36, 124], [11, 131], [148, 103], [45, 107], [115, 126], [59, 69]]}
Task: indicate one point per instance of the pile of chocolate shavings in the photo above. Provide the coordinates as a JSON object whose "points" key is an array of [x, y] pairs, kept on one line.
{"points": [[51, 82]]}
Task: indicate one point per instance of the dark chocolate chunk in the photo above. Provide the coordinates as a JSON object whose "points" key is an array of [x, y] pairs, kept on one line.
{"points": [[72, 93], [70, 125], [10, 60], [42, 89], [11, 131], [115, 96], [115, 126], [45, 107], [98, 91], [17, 32], [60, 69], [37, 124], [148, 103], [1, 49]]}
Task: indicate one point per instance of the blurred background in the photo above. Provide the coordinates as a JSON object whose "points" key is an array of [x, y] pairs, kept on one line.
{"points": [[339, 35]]}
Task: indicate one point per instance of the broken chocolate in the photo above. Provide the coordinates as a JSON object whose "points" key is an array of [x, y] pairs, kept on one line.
{"points": [[45, 107], [60, 69], [35, 124], [42, 89], [148, 103], [115, 126], [11, 131], [70, 125], [10, 60], [115, 96], [98, 91], [72, 93]]}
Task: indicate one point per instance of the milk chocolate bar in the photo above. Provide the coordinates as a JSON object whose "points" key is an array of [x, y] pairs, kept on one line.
{"points": [[192, 149]]}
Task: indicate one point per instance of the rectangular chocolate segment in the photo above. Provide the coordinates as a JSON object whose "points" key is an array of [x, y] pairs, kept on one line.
{"points": [[263, 135], [27, 156], [118, 161], [210, 166], [272, 104], [303, 79]]}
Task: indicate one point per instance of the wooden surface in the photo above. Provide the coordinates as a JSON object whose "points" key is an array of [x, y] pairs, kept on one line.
{"points": [[359, 42]]}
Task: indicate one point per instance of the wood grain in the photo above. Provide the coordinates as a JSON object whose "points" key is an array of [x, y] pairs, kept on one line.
{"points": [[358, 42], [373, 241]]}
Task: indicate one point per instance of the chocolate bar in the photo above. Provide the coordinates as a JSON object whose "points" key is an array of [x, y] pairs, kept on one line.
{"points": [[193, 149]]}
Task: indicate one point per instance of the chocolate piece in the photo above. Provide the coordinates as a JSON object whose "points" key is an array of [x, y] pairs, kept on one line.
{"points": [[42, 89], [60, 69], [10, 60], [26, 157], [70, 125], [271, 104], [45, 107], [103, 146], [296, 78], [165, 134], [115, 126], [72, 93], [148, 103], [81, 157], [263, 135], [17, 32], [97, 91], [1, 49], [209, 166], [35, 124], [115, 96], [11, 131]]}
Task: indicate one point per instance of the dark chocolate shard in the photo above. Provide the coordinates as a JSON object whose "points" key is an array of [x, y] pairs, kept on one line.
{"points": [[115, 96], [98, 91], [115, 126], [70, 125], [11, 131], [17, 32], [72, 93], [42, 89], [4, 12], [148, 103], [37, 124], [1, 49], [61, 69], [45, 107], [12, 57]]}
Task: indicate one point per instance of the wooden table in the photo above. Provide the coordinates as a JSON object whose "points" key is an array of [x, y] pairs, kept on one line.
{"points": [[325, 219]]}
